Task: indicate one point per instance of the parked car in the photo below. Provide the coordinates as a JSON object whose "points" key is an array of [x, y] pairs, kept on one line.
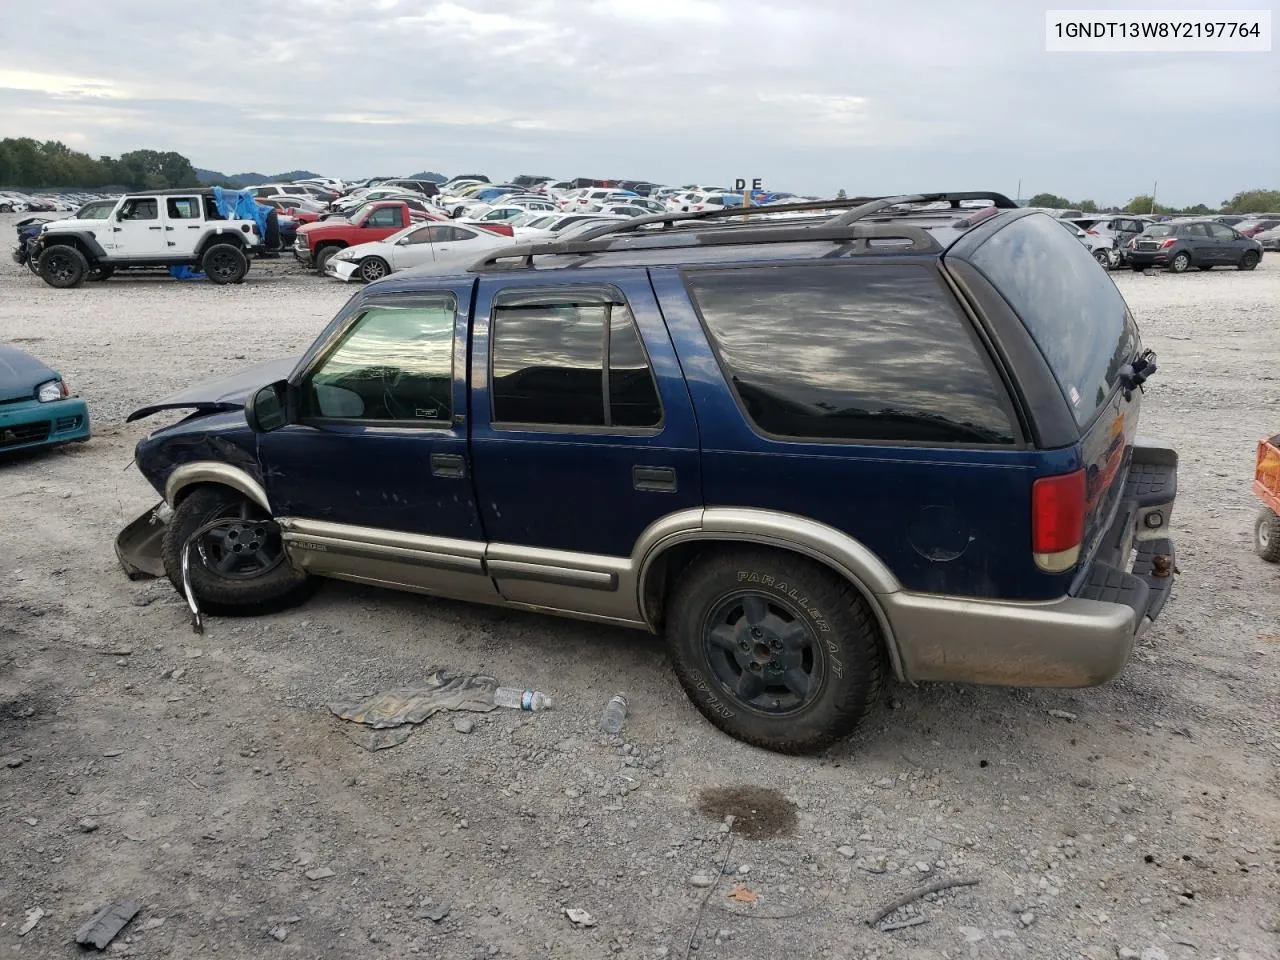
{"points": [[317, 242], [163, 228], [604, 437], [37, 407], [1269, 239], [1103, 249], [1195, 243], [424, 187], [1251, 228], [12, 203], [264, 190], [442, 247], [1121, 228]]}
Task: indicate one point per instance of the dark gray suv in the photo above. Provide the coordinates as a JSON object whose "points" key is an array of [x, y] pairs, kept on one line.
{"points": [[1193, 243]]}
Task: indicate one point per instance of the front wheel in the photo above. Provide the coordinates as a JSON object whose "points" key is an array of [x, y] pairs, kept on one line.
{"points": [[1180, 263], [222, 263], [322, 258], [1249, 260], [237, 564], [774, 649], [63, 267], [1266, 536], [373, 268]]}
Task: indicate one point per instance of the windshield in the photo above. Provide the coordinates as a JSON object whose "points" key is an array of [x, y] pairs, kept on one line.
{"points": [[96, 211], [1072, 309]]}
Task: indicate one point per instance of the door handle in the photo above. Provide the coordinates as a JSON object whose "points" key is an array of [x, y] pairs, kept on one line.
{"points": [[193, 226], [168, 228], [153, 228], [448, 465], [653, 479]]}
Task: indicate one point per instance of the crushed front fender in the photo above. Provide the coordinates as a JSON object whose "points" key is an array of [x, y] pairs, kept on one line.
{"points": [[138, 545]]}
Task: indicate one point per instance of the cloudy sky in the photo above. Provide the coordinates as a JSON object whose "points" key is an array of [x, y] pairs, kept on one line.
{"points": [[874, 96]]}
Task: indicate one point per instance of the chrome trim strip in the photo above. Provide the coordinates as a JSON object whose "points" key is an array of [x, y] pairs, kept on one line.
{"points": [[545, 573], [210, 471], [299, 529], [381, 551]]}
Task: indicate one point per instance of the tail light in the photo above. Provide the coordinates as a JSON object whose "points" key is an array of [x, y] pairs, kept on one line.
{"points": [[1168, 243], [1092, 233], [1057, 520]]}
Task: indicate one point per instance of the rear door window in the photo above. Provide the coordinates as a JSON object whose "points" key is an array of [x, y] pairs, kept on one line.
{"points": [[1072, 309], [852, 352]]}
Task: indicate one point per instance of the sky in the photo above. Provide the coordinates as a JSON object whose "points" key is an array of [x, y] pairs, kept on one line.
{"points": [[811, 96]]}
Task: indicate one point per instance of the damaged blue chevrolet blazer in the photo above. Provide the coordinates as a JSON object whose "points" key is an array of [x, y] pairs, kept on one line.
{"points": [[813, 448]]}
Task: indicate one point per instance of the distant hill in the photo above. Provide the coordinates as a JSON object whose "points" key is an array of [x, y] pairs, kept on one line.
{"points": [[248, 179], [428, 175]]}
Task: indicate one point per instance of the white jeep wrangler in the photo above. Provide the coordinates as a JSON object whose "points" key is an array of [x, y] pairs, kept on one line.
{"points": [[163, 228]]}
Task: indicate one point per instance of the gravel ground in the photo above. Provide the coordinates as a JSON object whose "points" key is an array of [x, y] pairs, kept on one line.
{"points": [[203, 777]]}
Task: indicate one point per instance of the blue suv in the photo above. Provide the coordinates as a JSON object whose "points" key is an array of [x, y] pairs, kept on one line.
{"points": [[813, 444]]}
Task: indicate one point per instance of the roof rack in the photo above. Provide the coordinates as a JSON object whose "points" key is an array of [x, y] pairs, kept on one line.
{"points": [[912, 239], [856, 208]]}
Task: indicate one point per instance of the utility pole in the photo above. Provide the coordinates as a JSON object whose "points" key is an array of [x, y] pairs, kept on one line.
{"points": [[1018, 196], [1155, 186]]}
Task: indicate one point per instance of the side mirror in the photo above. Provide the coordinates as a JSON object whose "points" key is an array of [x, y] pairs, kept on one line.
{"points": [[268, 409]]}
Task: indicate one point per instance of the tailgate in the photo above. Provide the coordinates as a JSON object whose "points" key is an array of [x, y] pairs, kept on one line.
{"points": [[1106, 450]]}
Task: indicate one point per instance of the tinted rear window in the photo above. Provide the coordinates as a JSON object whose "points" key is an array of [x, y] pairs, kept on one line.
{"points": [[1069, 305], [851, 352]]}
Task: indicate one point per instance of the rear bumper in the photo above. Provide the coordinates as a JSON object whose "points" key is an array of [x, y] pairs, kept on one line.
{"points": [[31, 424], [1076, 641], [1147, 258]]}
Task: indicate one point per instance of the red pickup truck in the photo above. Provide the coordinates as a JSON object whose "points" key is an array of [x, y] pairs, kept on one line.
{"points": [[377, 220], [319, 241]]}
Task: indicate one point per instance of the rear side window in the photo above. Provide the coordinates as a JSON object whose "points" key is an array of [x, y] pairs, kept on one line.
{"points": [[872, 352], [570, 360], [1072, 309]]}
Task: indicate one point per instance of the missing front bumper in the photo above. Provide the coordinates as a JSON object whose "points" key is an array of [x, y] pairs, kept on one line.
{"points": [[138, 545]]}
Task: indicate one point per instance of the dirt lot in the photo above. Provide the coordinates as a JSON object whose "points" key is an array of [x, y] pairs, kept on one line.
{"points": [[204, 776]]}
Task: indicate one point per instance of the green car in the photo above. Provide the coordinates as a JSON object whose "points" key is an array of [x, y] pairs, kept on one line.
{"points": [[36, 406]]}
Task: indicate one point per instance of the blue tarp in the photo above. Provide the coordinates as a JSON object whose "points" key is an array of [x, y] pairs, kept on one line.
{"points": [[240, 205], [183, 272]]}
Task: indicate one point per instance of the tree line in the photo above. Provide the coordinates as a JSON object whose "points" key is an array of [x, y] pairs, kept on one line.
{"points": [[33, 165], [1246, 201]]}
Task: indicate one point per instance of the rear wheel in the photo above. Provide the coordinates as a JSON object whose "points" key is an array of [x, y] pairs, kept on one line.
{"points": [[1103, 257], [1249, 260], [63, 267], [1266, 536], [222, 264], [373, 268], [237, 563], [774, 649], [1180, 262]]}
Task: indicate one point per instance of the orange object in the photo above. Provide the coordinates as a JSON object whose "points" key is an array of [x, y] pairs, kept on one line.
{"points": [[1266, 475], [741, 894]]}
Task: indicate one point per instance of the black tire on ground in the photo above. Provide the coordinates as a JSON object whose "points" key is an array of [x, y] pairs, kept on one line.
{"points": [[1103, 258], [1249, 260], [322, 257], [100, 273], [1266, 536], [1180, 262], [63, 267], [373, 268], [6, 208], [252, 545], [224, 263], [774, 649]]}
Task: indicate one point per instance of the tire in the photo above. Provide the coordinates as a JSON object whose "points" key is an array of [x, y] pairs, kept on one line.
{"points": [[1180, 262], [63, 267], [223, 263], [1266, 536], [100, 273], [1249, 260], [240, 591], [6, 208], [1103, 256], [796, 619], [373, 268], [322, 257]]}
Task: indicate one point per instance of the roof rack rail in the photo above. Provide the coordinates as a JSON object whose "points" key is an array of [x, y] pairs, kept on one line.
{"points": [[917, 240], [670, 219], [856, 208]]}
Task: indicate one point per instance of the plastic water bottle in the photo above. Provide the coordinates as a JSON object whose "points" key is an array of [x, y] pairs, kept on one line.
{"points": [[521, 699], [615, 712]]}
